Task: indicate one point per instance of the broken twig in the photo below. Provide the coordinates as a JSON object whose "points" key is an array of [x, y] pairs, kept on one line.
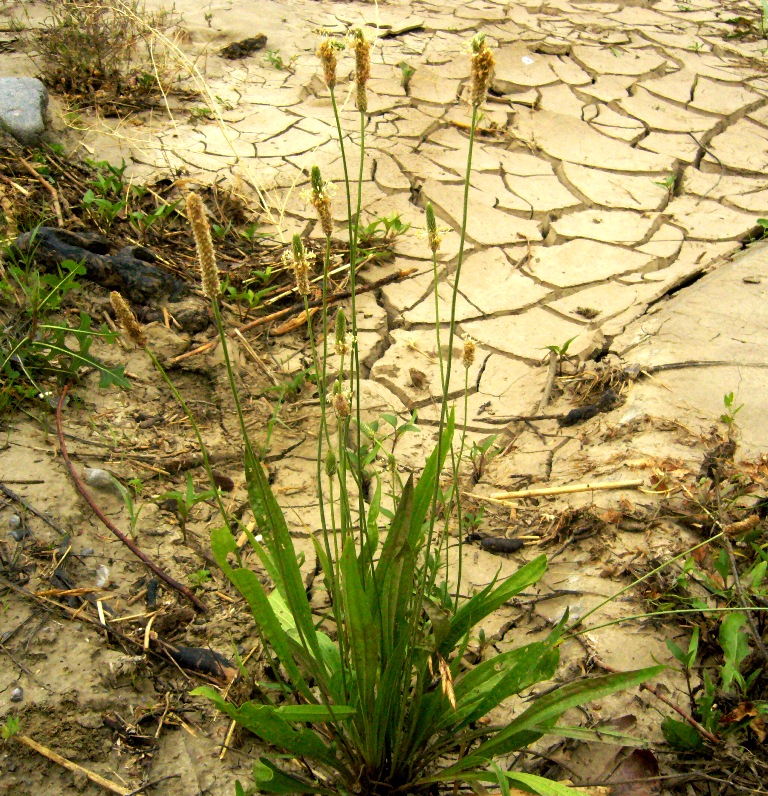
{"points": [[62, 761], [563, 490]]}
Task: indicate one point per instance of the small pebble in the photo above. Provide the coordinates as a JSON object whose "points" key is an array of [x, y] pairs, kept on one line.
{"points": [[102, 575], [17, 694], [19, 534], [99, 479], [14, 521], [87, 551]]}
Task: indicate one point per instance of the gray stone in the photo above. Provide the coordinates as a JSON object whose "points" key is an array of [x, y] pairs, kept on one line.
{"points": [[23, 105]]}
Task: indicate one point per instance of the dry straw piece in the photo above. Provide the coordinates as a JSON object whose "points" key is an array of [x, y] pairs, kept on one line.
{"points": [[127, 319], [201, 231]]}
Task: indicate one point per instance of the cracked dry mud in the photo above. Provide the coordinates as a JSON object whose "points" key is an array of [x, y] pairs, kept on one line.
{"points": [[621, 164]]}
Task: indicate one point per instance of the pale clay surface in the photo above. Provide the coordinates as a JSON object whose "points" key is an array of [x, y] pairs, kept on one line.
{"points": [[595, 106]]}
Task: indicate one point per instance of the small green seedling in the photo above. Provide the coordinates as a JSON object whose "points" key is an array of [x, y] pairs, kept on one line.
{"points": [[200, 113], [667, 183], [102, 211], [125, 493], [199, 579], [9, 728], [728, 417], [386, 227], [274, 58], [561, 350], [186, 501], [220, 231], [407, 73]]}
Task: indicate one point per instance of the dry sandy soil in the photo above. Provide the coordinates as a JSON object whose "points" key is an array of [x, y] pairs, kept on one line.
{"points": [[620, 173]]}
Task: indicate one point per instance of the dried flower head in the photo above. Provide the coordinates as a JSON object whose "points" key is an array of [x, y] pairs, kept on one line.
{"points": [[326, 52], [341, 346], [320, 198], [201, 232], [298, 258], [330, 463], [341, 405], [362, 48], [127, 319], [468, 354], [433, 236], [482, 70]]}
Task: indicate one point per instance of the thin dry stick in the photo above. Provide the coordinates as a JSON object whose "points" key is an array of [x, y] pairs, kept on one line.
{"points": [[51, 190], [62, 761], [164, 576], [563, 490], [336, 297], [551, 374]]}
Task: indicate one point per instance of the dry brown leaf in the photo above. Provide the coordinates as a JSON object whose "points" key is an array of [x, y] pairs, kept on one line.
{"points": [[739, 713], [640, 765]]}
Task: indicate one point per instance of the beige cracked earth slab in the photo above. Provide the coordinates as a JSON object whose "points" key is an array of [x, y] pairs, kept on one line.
{"points": [[527, 335], [610, 226], [518, 67], [572, 140], [487, 226], [580, 262], [410, 367], [620, 191], [705, 219], [664, 116], [492, 284], [698, 324], [597, 304], [614, 61], [743, 147]]}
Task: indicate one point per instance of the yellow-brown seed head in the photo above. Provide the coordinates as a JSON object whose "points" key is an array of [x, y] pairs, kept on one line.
{"points": [[340, 333], [482, 70], [321, 200], [468, 354], [326, 52], [127, 319], [201, 231], [341, 405], [433, 236], [298, 258], [362, 49]]}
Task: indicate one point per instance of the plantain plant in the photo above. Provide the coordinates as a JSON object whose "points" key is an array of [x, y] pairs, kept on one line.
{"points": [[373, 694]]}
